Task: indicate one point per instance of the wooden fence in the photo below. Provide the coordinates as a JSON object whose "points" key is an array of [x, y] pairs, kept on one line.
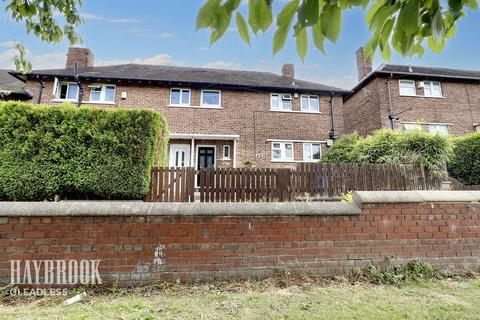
{"points": [[314, 180], [172, 185]]}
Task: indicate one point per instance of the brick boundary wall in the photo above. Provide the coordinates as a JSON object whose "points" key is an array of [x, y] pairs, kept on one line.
{"points": [[140, 243]]}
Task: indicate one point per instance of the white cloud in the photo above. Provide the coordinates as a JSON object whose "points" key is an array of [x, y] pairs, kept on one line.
{"points": [[7, 44], [91, 16], [159, 59], [123, 20], [203, 48], [44, 61], [341, 81], [220, 64], [154, 35]]}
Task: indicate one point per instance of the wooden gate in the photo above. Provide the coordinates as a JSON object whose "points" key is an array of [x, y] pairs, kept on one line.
{"points": [[172, 185]]}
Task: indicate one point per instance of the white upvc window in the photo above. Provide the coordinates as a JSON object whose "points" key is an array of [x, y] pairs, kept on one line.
{"points": [[407, 88], [281, 102], [312, 152], [432, 89], [282, 151], [180, 97], [67, 91], [226, 152], [412, 126], [102, 93], [310, 103], [211, 98], [477, 128], [441, 129]]}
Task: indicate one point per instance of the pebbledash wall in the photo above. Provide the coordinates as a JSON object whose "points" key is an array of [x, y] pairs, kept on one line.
{"points": [[140, 243]]}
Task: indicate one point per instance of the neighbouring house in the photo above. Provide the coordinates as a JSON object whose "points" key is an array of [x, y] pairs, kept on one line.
{"points": [[12, 88], [220, 118], [406, 97]]}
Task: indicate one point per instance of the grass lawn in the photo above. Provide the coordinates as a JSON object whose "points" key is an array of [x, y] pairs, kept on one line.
{"points": [[262, 300]]}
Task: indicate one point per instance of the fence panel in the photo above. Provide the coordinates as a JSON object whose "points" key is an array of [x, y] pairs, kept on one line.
{"points": [[171, 185]]}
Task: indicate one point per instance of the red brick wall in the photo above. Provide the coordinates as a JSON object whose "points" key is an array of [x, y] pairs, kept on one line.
{"points": [[368, 109], [243, 113], [207, 247]]}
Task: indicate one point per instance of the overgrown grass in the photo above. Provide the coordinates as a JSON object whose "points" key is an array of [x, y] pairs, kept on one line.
{"points": [[267, 299]]}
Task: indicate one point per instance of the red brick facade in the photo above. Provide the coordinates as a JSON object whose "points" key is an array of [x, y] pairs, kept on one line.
{"points": [[243, 113], [369, 107], [142, 249]]}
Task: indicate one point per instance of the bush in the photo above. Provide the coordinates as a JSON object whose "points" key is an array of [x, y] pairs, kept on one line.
{"points": [[390, 147], [465, 162], [63, 150]]}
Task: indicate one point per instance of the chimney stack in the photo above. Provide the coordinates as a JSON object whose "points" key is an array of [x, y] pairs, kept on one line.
{"points": [[364, 66], [288, 70], [82, 56]]}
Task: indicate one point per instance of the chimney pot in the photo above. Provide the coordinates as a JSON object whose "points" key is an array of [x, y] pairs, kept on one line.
{"points": [[364, 65], [288, 70], [82, 56]]}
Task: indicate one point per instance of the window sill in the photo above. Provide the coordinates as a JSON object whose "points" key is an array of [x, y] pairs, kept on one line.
{"points": [[193, 107], [226, 159], [63, 100], [296, 111], [420, 96], [294, 161], [99, 102], [83, 102]]}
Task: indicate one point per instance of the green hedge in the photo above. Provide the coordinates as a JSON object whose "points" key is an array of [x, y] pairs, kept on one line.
{"points": [[465, 161], [62, 150], [388, 146]]}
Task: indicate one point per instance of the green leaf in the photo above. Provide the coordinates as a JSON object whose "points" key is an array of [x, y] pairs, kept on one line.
{"points": [[220, 24], [331, 20], [308, 13], [260, 15], [436, 47], [284, 18], [386, 32], [206, 14], [302, 43], [438, 26], [232, 5], [318, 37], [242, 28], [279, 39], [409, 17]]}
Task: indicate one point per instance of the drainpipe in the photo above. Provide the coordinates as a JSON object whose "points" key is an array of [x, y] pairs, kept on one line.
{"points": [[391, 116], [40, 93], [332, 131], [80, 93]]}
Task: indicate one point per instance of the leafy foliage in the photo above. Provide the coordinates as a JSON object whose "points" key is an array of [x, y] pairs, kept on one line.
{"points": [[62, 150], [40, 18], [389, 147], [465, 162], [403, 25]]}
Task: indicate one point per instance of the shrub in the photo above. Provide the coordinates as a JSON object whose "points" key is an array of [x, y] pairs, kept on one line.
{"points": [[63, 150], [465, 162], [389, 147]]}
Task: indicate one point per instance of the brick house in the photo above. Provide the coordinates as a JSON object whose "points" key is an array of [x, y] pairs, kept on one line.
{"points": [[412, 97], [217, 118]]}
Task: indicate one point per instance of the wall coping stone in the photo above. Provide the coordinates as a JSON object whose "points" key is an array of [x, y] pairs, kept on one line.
{"points": [[140, 208]]}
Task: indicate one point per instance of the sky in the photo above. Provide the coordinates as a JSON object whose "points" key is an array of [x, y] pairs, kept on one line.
{"points": [[163, 32]]}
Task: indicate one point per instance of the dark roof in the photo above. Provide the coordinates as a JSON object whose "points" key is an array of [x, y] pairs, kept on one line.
{"points": [[198, 76], [12, 84], [418, 71]]}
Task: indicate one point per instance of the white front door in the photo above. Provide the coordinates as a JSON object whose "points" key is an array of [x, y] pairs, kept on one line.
{"points": [[179, 155]]}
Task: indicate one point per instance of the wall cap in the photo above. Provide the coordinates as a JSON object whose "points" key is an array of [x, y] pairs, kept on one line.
{"points": [[139, 208], [365, 197]]}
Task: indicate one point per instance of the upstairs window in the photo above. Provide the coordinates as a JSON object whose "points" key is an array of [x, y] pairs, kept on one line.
{"points": [[310, 103], [282, 151], [67, 91], [407, 88], [210, 98], [432, 89], [312, 152], [441, 129], [180, 97], [281, 102], [102, 93]]}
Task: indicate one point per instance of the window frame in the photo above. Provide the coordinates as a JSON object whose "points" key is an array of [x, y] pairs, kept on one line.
{"points": [[282, 151], [429, 126], [416, 125], [202, 103], [181, 100], [229, 156], [400, 81], [311, 144], [103, 93], [309, 97], [430, 85], [59, 90], [280, 100]]}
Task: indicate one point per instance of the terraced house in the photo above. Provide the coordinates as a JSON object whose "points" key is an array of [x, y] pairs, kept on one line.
{"points": [[220, 118], [405, 97]]}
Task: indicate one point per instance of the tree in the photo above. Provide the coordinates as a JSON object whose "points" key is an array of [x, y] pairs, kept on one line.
{"points": [[404, 25], [40, 17]]}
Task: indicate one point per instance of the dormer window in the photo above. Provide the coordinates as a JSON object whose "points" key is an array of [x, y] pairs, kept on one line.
{"points": [[281, 102]]}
